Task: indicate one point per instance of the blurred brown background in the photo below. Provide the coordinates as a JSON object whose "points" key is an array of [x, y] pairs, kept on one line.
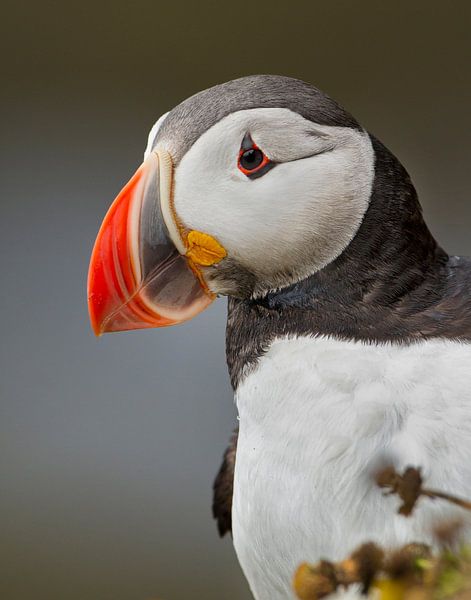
{"points": [[109, 447]]}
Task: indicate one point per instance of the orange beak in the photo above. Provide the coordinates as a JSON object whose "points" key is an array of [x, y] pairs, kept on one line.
{"points": [[138, 277]]}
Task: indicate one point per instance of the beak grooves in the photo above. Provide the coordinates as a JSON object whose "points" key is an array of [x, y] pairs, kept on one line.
{"points": [[145, 268]]}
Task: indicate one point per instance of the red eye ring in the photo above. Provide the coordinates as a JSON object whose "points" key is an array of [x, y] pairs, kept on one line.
{"points": [[252, 161]]}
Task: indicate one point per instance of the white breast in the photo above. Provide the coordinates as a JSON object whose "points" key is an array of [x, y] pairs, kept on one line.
{"points": [[316, 416]]}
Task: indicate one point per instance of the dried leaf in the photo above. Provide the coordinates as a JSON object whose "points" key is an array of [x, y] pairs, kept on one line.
{"points": [[314, 582], [407, 486]]}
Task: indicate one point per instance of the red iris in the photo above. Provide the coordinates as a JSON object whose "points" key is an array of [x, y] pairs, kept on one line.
{"points": [[252, 160]]}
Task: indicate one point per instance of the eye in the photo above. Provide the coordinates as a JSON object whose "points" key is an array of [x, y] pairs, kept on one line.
{"points": [[252, 160]]}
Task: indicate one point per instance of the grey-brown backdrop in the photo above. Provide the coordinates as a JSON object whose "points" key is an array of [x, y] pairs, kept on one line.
{"points": [[109, 447]]}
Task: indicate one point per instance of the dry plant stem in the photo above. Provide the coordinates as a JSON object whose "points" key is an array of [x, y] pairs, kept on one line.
{"points": [[444, 496]]}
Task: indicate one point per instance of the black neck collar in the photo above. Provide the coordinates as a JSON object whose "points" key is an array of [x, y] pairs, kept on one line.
{"points": [[392, 284]]}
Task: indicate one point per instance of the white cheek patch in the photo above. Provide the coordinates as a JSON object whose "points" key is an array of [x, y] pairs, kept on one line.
{"points": [[153, 134], [296, 218]]}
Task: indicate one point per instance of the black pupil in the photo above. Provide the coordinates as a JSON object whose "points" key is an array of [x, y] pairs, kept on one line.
{"points": [[251, 159]]}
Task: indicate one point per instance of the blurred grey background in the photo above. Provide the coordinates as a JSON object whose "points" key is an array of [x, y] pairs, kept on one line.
{"points": [[109, 447]]}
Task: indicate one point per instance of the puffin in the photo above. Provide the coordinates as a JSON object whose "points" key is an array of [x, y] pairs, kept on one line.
{"points": [[349, 328]]}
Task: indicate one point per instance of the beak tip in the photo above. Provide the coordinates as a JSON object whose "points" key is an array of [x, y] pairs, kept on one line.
{"points": [[97, 331], [95, 325]]}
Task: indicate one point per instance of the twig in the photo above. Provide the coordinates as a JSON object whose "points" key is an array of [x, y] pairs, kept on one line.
{"points": [[444, 496]]}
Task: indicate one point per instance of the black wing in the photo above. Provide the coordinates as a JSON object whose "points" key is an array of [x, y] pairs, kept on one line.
{"points": [[223, 487]]}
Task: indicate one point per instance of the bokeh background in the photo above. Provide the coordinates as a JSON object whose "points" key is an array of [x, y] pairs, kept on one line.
{"points": [[109, 447]]}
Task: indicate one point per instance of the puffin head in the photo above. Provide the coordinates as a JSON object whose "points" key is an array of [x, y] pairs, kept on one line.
{"points": [[245, 188]]}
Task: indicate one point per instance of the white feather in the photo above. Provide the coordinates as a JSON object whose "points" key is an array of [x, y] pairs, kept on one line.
{"points": [[152, 135], [316, 416]]}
